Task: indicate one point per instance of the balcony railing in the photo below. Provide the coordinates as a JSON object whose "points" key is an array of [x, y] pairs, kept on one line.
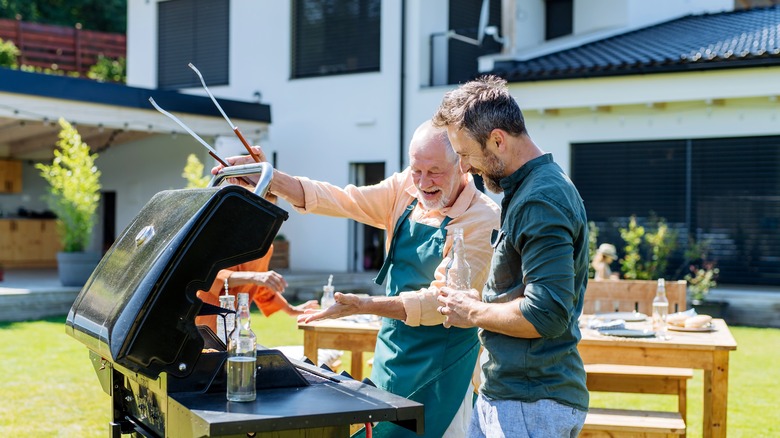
{"points": [[61, 48]]}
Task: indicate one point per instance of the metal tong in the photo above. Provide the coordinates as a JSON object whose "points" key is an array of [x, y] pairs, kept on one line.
{"points": [[211, 150], [227, 119]]}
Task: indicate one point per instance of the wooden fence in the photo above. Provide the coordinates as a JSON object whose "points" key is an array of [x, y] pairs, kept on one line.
{"points": [[59, 47]]}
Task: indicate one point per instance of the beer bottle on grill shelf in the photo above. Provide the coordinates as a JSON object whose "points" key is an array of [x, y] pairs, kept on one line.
{"points": [[227, 322], [660, 309], [242, 356], [458, 269]]}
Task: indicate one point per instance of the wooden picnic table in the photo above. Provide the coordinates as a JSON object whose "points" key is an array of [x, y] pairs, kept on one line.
{"points": [[708, 351], [341, 334]]}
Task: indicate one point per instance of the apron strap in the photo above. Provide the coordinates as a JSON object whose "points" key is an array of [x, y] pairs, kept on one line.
{"points": [[380, 277]]}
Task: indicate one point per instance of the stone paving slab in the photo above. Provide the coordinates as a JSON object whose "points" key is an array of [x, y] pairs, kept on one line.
{"points": [[30, 294]]}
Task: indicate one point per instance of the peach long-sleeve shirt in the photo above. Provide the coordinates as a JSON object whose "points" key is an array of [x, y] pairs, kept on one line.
{"points": [[382, 204]]}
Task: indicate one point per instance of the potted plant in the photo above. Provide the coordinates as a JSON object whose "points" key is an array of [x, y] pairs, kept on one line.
{"points": [[73, 196], [701, 279], [281, 256]]}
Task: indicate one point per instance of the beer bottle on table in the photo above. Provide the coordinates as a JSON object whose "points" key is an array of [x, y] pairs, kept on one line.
{"points": [[660, 309]]}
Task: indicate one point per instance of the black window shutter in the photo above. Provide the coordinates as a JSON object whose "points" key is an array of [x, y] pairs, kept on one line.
{"points": [[558, 18], [725, 191], [335, 37], [736, 185], [195, 31]]}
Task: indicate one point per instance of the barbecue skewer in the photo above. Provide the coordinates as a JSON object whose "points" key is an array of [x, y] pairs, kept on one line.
{"points": [[211, 150], [227, 119]]}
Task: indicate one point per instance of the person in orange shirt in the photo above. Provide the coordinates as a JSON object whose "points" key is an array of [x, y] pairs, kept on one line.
{"points": [[264, 286]]}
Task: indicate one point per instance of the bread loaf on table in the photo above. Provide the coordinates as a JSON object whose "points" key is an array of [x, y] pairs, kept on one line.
{"points": [[698, 321], [677, 319]]}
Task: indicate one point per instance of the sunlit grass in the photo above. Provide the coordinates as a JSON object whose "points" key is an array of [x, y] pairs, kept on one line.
{"points": [[49, 387]]}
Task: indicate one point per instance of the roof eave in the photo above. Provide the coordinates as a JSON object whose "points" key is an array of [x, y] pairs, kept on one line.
{"points": [[86, 90]]}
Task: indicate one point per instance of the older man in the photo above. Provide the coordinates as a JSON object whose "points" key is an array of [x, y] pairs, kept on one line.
{"points": [[534, 379], [416, 356]]}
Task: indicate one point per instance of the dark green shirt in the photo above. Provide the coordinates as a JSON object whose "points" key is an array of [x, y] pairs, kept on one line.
{"points": [[541, 254]]}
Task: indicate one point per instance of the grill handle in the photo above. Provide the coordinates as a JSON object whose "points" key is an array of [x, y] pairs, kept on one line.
{"points": [[264, 169]]}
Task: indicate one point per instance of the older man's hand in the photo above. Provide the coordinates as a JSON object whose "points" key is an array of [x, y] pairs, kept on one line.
{"points": [[457, 305], [240, 159], [346, 305]]}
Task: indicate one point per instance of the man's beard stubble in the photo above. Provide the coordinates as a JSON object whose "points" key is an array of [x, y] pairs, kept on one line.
{"points": [[492, 175]]}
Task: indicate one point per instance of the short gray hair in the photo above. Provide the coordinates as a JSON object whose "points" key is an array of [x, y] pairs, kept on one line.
{"points": [[480, 106]]}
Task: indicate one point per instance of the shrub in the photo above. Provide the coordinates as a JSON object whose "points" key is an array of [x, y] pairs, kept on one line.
{"points": [[647, 252], [593, 237], [703, 273], [193, 173], [108, 69], [74, 188], [8, 54]]}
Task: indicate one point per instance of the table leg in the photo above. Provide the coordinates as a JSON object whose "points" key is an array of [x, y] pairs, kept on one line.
{"points": [[357, 365], [310, 347], [716, 391]]}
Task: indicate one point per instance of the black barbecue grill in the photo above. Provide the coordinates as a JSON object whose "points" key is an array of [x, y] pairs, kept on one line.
{"points": [[165, 375]]}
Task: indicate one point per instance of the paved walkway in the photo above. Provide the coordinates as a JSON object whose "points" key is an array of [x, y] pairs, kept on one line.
{"points": [[29, 294]]}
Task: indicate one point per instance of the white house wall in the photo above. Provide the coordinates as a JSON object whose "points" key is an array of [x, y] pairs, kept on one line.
{"points": [[319, 125], [594, 15], [135, 171], [142, 43], [726, 103]]}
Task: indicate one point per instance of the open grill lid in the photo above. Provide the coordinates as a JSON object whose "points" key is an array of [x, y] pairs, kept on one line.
{"points": [[138, 308]]}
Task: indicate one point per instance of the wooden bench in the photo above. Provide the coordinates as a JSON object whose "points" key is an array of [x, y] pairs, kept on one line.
{"points": [[626, 296], [629, 295], [643, 380], [615, 423]]}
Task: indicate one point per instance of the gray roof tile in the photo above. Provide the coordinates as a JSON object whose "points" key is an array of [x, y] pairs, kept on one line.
{"points": [[743, 38]]}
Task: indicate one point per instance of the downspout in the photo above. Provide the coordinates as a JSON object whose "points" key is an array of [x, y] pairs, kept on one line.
{"points": [[402, 85]]}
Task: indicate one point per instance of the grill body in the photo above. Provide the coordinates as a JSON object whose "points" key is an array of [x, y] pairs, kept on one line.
{"points": [[136, 316]]}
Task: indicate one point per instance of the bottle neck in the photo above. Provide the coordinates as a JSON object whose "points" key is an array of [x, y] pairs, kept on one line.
{"points": [[458, 247], [242, 316]]}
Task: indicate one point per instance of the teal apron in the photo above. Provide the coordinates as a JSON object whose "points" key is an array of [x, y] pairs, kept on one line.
{"points": [[431, 365]]}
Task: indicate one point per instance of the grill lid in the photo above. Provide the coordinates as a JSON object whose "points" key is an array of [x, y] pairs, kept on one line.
{"points": [[138, 308]]}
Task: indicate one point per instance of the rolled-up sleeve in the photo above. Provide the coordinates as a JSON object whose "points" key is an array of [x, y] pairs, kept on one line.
{"points": [[370, 205], [547, 254]]}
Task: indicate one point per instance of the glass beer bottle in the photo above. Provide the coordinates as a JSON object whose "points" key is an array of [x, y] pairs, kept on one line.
{"points": [[660, 309], [227, 322], [242, 356], [458, 269]]}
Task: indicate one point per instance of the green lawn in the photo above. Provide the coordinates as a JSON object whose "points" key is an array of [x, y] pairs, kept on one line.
{"points": [[49, 387]]}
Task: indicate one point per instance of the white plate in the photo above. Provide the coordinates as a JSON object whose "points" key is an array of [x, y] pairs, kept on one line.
{"points": [[706, 328], [628, 333], [625, 316]]}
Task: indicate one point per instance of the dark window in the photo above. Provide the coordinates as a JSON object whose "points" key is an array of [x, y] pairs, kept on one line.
{"points": [[193, 31], [726, 191], [464, 20], [333, 37], [558, 18]]}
